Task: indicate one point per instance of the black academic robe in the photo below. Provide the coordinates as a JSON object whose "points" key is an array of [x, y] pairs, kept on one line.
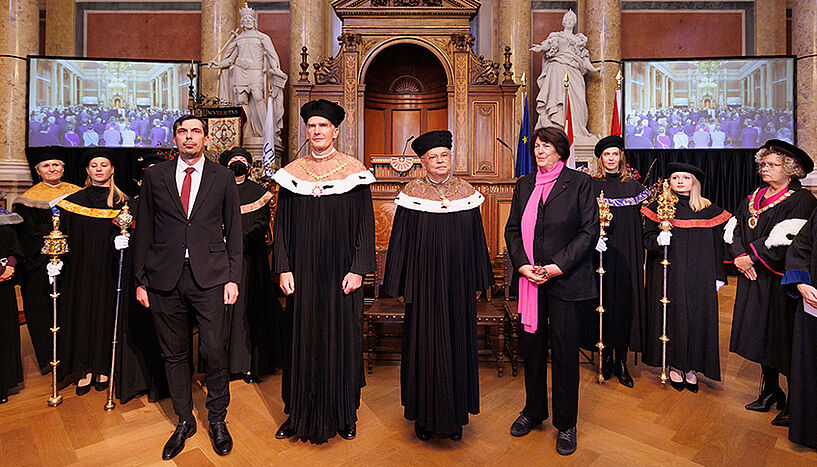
{"points": [[695, 254], [437, 262], [764, 313], [257, 320], [320, 239], [89, 277], [623, 285], [801, 267], [11, 366], [139, 366]]}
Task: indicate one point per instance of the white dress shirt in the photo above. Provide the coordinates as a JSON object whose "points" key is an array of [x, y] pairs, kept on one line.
{"points": [[195, 179]]}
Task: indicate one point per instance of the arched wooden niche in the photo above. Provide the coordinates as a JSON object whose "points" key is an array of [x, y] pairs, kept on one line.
{"points": [[406, 94]]}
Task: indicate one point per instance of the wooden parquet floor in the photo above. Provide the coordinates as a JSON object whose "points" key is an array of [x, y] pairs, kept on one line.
{"points": [[648, 425]]}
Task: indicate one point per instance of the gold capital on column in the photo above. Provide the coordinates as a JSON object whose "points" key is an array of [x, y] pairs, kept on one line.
{"points": [[21, 37], [804, 45], [60, 27], [603, 31], [306, 29], [218, 19]]}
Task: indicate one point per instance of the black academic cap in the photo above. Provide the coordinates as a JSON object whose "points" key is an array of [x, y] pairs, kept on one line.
{"points": [[323, 108], [673, 167], [430, 140], [37, 155], [788, 149], [225, 156], [612, 141], [99, 152]]}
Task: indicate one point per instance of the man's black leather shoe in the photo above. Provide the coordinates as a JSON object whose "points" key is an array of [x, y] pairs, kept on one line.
{"points": [[250, 378], [222, 441], [348, 432], [286, 431], [457, 436], [523, 425], [175, 444], [421, 433], [566, 442], [620, 370]]}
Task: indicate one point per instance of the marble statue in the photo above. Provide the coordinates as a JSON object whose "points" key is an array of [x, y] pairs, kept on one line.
{"points": [[563, 52], [249, 60]]}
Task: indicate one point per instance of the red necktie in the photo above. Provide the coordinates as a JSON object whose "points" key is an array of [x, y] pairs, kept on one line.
{"points": [[188, 180]]}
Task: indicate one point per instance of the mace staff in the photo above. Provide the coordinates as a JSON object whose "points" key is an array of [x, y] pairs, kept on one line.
{"points": [[666, 212], [55, 245], [123, 220], [605, 216]]}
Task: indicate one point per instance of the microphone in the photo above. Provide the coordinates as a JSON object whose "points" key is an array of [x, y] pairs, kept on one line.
{"points": [[301, 148], [505, 144], [406, 145]]}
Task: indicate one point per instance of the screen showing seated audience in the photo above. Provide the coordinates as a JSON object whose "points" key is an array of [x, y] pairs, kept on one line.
{"points": [[110, 103], [708, 103]]}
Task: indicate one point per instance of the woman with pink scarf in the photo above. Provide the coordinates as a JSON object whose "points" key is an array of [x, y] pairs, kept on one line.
{"points": [[551, 232]]}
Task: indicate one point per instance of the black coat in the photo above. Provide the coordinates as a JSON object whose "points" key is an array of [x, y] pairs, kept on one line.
{"points": [[163, 231], [567, 229]]}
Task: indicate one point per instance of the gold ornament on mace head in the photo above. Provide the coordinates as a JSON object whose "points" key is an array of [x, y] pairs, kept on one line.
{"points": [[605, 215], [56, 243], [666, 206], [123, 220], [566, 80]]}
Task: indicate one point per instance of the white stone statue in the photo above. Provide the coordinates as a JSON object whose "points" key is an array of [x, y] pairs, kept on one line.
{"points": [[249, 60], [563, 52]]}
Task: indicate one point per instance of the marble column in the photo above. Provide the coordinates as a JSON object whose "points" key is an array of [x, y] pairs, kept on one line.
{"points": [[603, 30], [770, 27], [20, 37], [307, 28], [804, 45], [218, 19], [513, 29], [60, 27]]}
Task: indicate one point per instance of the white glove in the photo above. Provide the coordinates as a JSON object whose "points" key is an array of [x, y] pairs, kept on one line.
{"points": [[120, 242], [53, 270], [664, 238], [719, 284], [601, 245]]}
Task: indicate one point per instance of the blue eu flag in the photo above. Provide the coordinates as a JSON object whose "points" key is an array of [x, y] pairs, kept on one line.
{"points": [[523, 162]]}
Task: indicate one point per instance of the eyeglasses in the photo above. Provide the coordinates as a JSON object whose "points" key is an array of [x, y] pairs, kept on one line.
{"points": [[770, 165], [434, 157]]}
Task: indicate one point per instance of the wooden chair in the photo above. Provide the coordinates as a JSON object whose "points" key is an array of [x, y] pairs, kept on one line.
{"points": [[511, 314], [388, 311]]}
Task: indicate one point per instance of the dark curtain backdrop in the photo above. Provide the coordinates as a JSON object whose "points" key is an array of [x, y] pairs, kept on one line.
{"points": [[129, 166], [731, 174]]}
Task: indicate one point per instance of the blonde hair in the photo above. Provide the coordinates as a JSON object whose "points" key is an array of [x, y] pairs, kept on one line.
{"points": [[696, 201], [601, 172], [115, 195]]}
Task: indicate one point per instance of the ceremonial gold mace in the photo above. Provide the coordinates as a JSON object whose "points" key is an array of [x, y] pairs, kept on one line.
{"points": [[56, 244], [123, 220], [666, 212], [605, 216]]}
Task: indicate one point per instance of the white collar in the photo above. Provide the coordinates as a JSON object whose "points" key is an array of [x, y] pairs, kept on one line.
{"points": [[328, 187], [436, 207], [324, 156], [198, 166]]}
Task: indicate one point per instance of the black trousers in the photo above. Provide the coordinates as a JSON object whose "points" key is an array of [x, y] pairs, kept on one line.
{"points": [[559, 324], [172, 311]]}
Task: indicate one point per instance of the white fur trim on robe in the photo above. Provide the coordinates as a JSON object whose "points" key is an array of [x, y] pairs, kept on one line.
{"points": [[729, 230], [779, 236]]}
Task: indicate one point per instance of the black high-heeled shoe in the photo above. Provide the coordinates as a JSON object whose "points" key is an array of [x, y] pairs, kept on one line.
{"points": [[82, 390], [679, 386], [766, 400]]}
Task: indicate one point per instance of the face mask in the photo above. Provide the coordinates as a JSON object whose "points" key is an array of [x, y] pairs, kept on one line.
{"points": [[239, 168]]}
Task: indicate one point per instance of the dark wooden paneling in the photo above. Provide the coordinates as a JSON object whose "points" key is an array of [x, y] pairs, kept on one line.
{"points": [[485, 117], [404, 123], [375, 131]]}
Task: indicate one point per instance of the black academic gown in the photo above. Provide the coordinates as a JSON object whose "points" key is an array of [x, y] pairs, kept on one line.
{"points": [[696, 262], [320, 240], [88, 299], [764, 313], [257, 321], [623, 287], [139, 366], [437, 262], [11, 366], [801, 267]]}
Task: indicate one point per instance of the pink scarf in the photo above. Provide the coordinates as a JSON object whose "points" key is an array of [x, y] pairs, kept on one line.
{"points": [[529, 292]]}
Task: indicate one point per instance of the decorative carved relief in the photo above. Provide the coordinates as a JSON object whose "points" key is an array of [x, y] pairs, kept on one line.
{"points": [[349, 42], [463, 42], [461, 110], [406, 85], [383, 218], [350, 101], [484, 71], [328, 71], [483, 137]]}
